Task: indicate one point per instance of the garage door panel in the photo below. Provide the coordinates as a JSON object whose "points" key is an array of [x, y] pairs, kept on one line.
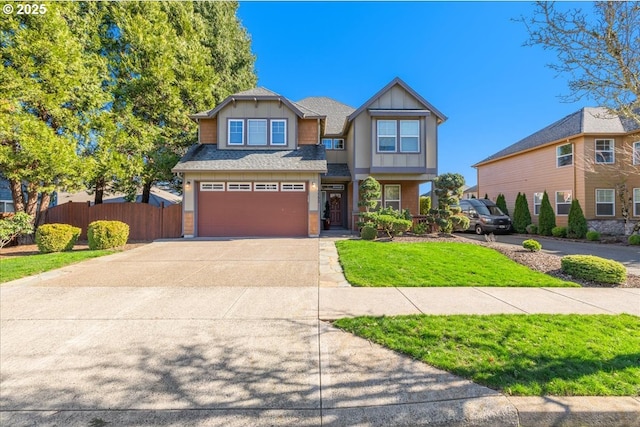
{"points": [[244, 213]]}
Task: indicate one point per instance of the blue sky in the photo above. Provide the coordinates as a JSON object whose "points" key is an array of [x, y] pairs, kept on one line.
{"points": [[465, 58]]}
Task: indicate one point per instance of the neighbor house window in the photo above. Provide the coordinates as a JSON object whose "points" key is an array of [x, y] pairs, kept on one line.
{"points": [[392, 196], [278, 132], [537, 201], [328, 143], [409, 136], [604, 151], [6, 206], [333, 144], [563, 202], [564, 155], [636, 153], [636, 202], [236, 132], [387, 135], [605, 202], [256, 132]]}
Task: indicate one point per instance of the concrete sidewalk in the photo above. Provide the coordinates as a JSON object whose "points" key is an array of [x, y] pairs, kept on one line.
{"points": [[214, 346]]}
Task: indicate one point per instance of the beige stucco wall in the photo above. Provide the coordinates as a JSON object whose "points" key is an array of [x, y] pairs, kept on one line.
{"points": [[244, 109]]}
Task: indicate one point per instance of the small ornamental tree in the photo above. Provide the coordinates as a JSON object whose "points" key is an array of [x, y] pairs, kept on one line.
{"points": [[521, 215], [547, 219], [577, 227], [448, 189], [502, 203], [370, 195]]}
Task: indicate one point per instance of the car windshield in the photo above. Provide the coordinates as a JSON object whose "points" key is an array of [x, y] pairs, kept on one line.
{"points": [[489, 210], [495, 210]]}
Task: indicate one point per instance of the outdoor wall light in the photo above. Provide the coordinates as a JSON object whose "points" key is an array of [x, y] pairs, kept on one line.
{"points": [[188, 184], [313, 185]]}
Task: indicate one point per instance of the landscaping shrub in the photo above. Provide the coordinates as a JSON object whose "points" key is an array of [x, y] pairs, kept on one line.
{"points": [[421, 228], [532, 229], [501, 202], [56, 237], [459, 222], [425, 205], [521, 215], [14, 226], [107, 234], [593, 236], [634, 239], [532, 245], [577, 227], [368, 233], [594, 268], [546, 219], [559, 231]]}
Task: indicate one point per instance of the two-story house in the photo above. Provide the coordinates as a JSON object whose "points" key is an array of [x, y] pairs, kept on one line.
{"points": [[588, 155], [267, 166]]}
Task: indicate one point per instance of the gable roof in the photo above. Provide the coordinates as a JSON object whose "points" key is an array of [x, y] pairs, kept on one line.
{"points": [[588, 120], [336, 112], [397, 81], [201, 157], [256, 94]]}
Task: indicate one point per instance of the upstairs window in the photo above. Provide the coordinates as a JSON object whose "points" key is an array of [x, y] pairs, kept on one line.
{"points": [[257, 132], [333, 144], [564, 155], [236, 132], [409, 136], [563, 202], [278, 132], [636, 153], [387, 136], [604, 151]]}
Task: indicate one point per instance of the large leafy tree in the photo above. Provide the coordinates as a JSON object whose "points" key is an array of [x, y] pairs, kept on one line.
{"points": [[50, 86], [598, 51]]}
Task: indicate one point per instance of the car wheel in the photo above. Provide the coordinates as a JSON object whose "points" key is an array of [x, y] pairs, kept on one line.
{"points": [[479, 229]]}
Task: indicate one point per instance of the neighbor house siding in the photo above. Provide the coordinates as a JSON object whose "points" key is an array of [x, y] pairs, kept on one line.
{"points": [[307, 131], [529, 173], [208, 131]]}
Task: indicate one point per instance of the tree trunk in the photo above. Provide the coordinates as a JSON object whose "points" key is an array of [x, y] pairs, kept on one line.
{"points": [[146, 192], [45, 199], [99, 191], [30, 208], [17, 195]]}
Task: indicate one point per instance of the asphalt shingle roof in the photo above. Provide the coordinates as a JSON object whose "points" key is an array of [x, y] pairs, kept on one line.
{"points": [[207, 157], [337, 170], [336, 112], [594, 120]]}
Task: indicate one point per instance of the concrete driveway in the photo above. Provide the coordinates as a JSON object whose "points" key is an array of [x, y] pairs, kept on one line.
{"points": [[208, 333]]}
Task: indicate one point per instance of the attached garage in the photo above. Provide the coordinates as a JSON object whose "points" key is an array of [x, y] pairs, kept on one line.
{"points": [[235, 209]]}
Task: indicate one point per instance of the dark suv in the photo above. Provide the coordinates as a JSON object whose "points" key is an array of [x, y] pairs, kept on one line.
{"points": [[485, 217]]}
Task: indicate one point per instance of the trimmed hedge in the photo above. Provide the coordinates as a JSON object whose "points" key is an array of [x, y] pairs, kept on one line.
{"points": [[559, 231], [634, 239], [593, 236], [368, 233], [107, 234], [56, 237], [594, 268], [532, 229], [532, 245]]}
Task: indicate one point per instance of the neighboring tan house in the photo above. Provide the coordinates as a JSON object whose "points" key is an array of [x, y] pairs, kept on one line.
{"points": [[266, 166], [585, 156], [470, 192]]}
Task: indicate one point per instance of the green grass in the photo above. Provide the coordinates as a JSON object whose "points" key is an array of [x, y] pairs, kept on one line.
{"points": [[527, 355], [12, 268], [434, 264]]}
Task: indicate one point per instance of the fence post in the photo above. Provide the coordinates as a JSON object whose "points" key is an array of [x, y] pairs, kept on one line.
{"points": [[162, 220]]}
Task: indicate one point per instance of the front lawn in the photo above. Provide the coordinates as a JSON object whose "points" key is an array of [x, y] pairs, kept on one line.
{"points": [[12, 268], [434, 264], [526, 355]]}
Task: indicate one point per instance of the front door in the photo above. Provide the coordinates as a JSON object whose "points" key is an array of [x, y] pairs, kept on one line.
{"points": [[335, 204]]}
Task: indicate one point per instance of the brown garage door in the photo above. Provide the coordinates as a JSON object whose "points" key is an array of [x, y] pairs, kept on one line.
{"points": [[237, 209]]}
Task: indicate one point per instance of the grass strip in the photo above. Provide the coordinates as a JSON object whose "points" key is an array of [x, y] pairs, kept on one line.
{"points": [[377, 264], [525, 355]]}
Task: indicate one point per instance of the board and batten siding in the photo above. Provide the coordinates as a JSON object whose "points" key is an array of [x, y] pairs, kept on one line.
{"points": [[244, 109], [531, 172]]}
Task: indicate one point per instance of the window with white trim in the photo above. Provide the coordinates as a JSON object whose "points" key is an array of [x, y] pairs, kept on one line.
{"points": [[409, 136], [265, 186], [333, 144], [636, 153], [537, 201], [605, 151], [564, 155], [328, 143], [392, 196], [563, 202], [238, 186], [387, 136], [605, 202], [236, 132], [256, 132], [293, 186], [6, 206], [212, 186], [636, 202], [278, 132]]}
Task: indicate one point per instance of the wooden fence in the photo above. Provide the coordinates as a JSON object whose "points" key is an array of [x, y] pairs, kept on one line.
{"points": [[146, 222]]}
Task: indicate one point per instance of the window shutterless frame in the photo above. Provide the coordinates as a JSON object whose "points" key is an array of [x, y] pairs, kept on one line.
{"points": [[564, 155], [605, 202], [235, 132], [563, 202], [636, 153], [537, 202], [278, 129], [605, 151], [636, 202]]}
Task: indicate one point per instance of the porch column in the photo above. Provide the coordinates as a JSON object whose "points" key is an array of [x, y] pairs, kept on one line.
{"points": [[355, 208]]}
